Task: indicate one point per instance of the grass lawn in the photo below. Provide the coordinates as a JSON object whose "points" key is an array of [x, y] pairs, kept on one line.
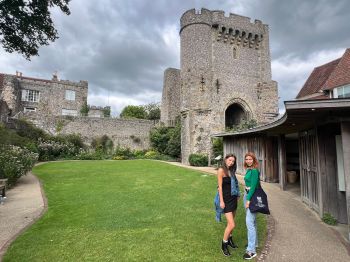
{"points": [[138, 210]]}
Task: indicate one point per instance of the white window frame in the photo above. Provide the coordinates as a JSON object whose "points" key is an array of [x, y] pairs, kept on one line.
{"points": [[342, 91], [70, 95], [69, 112], [340, 163], [29, 95]]}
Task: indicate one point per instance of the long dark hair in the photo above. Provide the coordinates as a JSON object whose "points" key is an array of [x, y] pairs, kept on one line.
{"points": [[232, 169]]}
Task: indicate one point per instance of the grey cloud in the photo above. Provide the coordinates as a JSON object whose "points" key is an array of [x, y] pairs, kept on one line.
{"points": [[118, 46], [302, 27]]}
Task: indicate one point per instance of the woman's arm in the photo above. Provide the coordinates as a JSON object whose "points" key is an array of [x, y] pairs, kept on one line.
{"points": [[220, 177], [254, 181]]}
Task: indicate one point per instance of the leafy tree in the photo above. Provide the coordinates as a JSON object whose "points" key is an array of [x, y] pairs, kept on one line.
{"points": [[159, 138], [218, 147], [85, 108], [133, 112], [25, 25], [107, 111], [153, 111], [167, 140], [174, 145]]}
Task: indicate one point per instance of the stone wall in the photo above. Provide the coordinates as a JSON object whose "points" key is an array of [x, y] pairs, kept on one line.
{"points": [[133, 134]]}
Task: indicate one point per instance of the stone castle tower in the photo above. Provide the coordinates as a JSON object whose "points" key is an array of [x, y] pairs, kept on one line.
{"points": [[225, 78]]}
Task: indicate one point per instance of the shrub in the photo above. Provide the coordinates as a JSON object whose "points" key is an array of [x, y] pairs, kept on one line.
{"points": [[329, 219], [244, 125], [159, 138], [51, 150], [119, 158], [174, 144], [151, 154], [122, 153], [139, 153], [27, 129], [103, 143], [95, 155], [15, 162], [198, 160], [10, 137]]}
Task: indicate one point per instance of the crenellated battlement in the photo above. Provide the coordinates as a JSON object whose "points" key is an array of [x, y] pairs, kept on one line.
{"points": [[192, 16], [236, 25], [238, 37]]}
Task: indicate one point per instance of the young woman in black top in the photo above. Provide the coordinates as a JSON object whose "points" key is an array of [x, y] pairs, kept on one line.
{"points": [[229, 195]]}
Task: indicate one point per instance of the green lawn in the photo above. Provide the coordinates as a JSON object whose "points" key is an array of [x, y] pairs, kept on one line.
{"points": [[138, 210]]}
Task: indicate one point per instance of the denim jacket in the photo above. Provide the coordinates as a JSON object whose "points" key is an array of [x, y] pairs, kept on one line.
{"points": [[234, 192]]}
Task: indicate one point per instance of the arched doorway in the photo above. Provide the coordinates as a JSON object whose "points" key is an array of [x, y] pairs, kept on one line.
{"points": [[234, 115]]}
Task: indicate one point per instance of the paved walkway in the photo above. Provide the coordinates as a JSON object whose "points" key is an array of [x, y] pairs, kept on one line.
{"points": [[298, 234], [23, 205]]}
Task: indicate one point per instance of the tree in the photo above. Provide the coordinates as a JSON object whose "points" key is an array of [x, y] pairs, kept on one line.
{"points": [[133, 112], [159, 137], [174, 145], [107, 111], [153, 111], [25, 25], [85, 108]]}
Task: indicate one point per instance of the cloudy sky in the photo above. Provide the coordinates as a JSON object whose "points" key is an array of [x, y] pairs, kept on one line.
{"points": [[123, 47]]}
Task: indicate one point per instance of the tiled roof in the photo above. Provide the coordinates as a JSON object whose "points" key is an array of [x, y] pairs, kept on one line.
{"points": [[328, 76], [341, 74], [317, 79]]}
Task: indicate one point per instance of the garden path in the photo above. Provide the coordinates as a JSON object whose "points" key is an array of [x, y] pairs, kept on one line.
{"points": [[24, 204]]}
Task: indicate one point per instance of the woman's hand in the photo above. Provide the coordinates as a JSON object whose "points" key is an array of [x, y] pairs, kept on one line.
{"points": [[247, 204], [222, 205]]}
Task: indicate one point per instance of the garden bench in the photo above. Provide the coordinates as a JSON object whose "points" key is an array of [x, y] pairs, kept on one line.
{"points": [[2, 190], [3, 187]]}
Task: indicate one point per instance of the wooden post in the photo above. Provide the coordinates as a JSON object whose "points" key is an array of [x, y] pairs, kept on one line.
{"points": [[345, 134], [282, 162]]}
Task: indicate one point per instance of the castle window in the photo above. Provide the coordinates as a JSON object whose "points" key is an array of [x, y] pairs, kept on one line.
{"points": [[234, 53], [30, 95], [29, 109], [70, 95], [69, 112]]}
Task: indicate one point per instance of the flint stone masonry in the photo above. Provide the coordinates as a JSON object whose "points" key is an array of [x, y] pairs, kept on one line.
{"points": [[225, 61], [170, 106], [133, 134]]}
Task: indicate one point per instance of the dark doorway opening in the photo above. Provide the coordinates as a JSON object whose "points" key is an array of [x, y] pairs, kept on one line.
{"points": [[234, 115]]}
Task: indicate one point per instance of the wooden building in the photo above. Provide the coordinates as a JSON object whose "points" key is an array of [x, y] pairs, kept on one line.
{"points": [[311, 140]]}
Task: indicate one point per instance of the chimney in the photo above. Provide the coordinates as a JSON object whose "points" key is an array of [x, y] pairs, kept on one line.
{"points": [[54, 76]]}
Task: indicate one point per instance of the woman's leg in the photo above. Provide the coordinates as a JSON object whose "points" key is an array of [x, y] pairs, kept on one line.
{"points": [[251, 227], [256, 233], [230, 225]]}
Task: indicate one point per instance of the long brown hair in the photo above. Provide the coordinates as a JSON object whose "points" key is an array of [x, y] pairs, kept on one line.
{"points": [[232, 168], [255, 161]]}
